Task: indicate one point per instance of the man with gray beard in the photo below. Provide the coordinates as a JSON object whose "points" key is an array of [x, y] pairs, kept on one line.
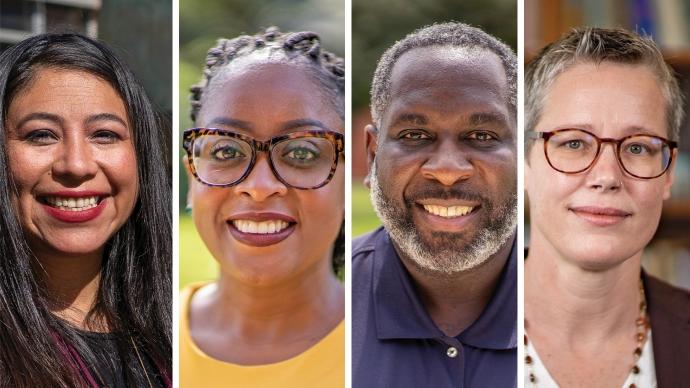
{"points": [[434, 301]]}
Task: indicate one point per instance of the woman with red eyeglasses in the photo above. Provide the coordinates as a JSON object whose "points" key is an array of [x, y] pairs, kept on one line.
{"points": [[603, 112], [266, 173]]}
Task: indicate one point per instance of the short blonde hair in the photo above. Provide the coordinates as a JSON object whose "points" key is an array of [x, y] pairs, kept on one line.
{"points": [[596, 45]]}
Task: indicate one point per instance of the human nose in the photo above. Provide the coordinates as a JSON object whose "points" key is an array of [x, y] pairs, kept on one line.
{"points": [[75, 161], [448, 164], [605, 174], [261, 183]]}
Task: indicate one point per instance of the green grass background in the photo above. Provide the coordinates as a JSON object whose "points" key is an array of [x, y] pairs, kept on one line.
{"points": [[197, 264], [363, 217]]}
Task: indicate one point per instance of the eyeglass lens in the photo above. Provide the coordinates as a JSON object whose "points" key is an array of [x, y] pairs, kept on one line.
{"points": [[574, 151], [301, 162]]}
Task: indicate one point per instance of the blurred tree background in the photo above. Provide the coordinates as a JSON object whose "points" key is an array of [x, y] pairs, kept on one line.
{"points": [[202, 22]]}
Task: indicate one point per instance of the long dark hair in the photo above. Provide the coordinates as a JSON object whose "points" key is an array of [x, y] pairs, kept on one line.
{"points": [[303, 48], [134, 294]]}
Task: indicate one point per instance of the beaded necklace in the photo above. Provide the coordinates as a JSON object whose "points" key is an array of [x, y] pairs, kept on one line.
{"points": [[641, 325]]}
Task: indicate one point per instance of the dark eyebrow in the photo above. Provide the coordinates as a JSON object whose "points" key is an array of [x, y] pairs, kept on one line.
{"points": [[478, 119], [230, 122], [40, 116], [105, 117], [299, 123], [410, 118]]}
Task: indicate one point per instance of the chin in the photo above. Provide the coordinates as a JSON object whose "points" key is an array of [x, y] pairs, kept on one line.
{"points": [[68, 245], [259, 270], [601, 255]]}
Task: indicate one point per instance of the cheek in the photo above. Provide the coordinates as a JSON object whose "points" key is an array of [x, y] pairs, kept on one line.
{"points": [[548, 190], [649, 198], [120, 165], [394, 171], [27, 167], [500, 171], [324, 208], [205, 201]]}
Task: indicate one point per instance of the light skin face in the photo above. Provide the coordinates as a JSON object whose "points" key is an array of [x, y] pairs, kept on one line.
{"points": [[602, 100], [68, 133], [266, 98], [447, 139]]}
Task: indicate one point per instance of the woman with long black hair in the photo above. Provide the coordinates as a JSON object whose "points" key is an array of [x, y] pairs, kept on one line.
{"points": [[85, 221]]}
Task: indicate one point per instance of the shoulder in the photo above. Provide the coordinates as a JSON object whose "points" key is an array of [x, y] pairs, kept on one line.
{"points": [[666, 296], [191, 297], [669, 313], [363, 246]]}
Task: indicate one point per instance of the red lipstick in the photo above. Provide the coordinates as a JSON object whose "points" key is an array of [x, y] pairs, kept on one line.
{"points": [[74, 216]]}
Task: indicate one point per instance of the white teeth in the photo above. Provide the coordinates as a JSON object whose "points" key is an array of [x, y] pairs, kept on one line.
{"points": [[449, 211], [73, 204], [263, 227]]}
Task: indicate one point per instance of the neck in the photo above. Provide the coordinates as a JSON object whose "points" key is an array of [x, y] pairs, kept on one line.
{"points": [[582, 305], [455, 301], [72, 282], [291, 307]]}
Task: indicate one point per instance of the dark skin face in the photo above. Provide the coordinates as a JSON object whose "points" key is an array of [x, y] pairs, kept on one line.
{"points": [[448, 139]]}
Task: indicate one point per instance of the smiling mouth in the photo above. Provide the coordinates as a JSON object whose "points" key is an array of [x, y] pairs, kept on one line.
{"points": [[71, 203], [448, 211], [260, 227]]}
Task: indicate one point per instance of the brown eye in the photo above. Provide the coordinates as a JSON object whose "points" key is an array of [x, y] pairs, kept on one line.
{"points": [[415, 135], [481, 136], [41, 137]]}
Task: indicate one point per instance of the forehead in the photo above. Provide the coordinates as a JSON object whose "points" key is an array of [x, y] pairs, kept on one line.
{"points": [[600, 97], [66, 91], [266, 91], [446, 78]]}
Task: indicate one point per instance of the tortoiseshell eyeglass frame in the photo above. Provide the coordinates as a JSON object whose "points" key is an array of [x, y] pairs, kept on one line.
{"points": [[534, 135], [335, 138]]}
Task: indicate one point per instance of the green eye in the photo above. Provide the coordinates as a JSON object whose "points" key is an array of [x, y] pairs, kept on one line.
{"points": [[226, 153], [636, 149], [302, 154], [574, 144]]}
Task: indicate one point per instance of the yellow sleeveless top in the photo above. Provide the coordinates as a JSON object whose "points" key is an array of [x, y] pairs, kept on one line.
{"points": [[322, 365]]}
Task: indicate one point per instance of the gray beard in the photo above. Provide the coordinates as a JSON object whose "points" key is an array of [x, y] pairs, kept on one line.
{"points": [[444, 257]]}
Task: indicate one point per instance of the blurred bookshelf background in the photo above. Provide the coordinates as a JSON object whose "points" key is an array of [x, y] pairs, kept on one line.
{"points": [[668, 23]]}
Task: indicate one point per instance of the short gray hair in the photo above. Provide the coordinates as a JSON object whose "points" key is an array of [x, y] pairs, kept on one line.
{"points": [[597, 45], [443, 34]]}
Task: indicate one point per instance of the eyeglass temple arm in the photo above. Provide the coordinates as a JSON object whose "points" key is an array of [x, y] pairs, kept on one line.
{"points": [[534, 135]]}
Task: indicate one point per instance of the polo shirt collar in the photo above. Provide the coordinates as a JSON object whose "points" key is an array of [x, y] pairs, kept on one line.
{"points": [[400, 314]]}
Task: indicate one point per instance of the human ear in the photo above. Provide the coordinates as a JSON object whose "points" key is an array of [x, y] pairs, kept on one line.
{"points": [[371, 133]]}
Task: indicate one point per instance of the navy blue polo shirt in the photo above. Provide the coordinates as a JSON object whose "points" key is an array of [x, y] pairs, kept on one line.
{"points": [[395, 343]]}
